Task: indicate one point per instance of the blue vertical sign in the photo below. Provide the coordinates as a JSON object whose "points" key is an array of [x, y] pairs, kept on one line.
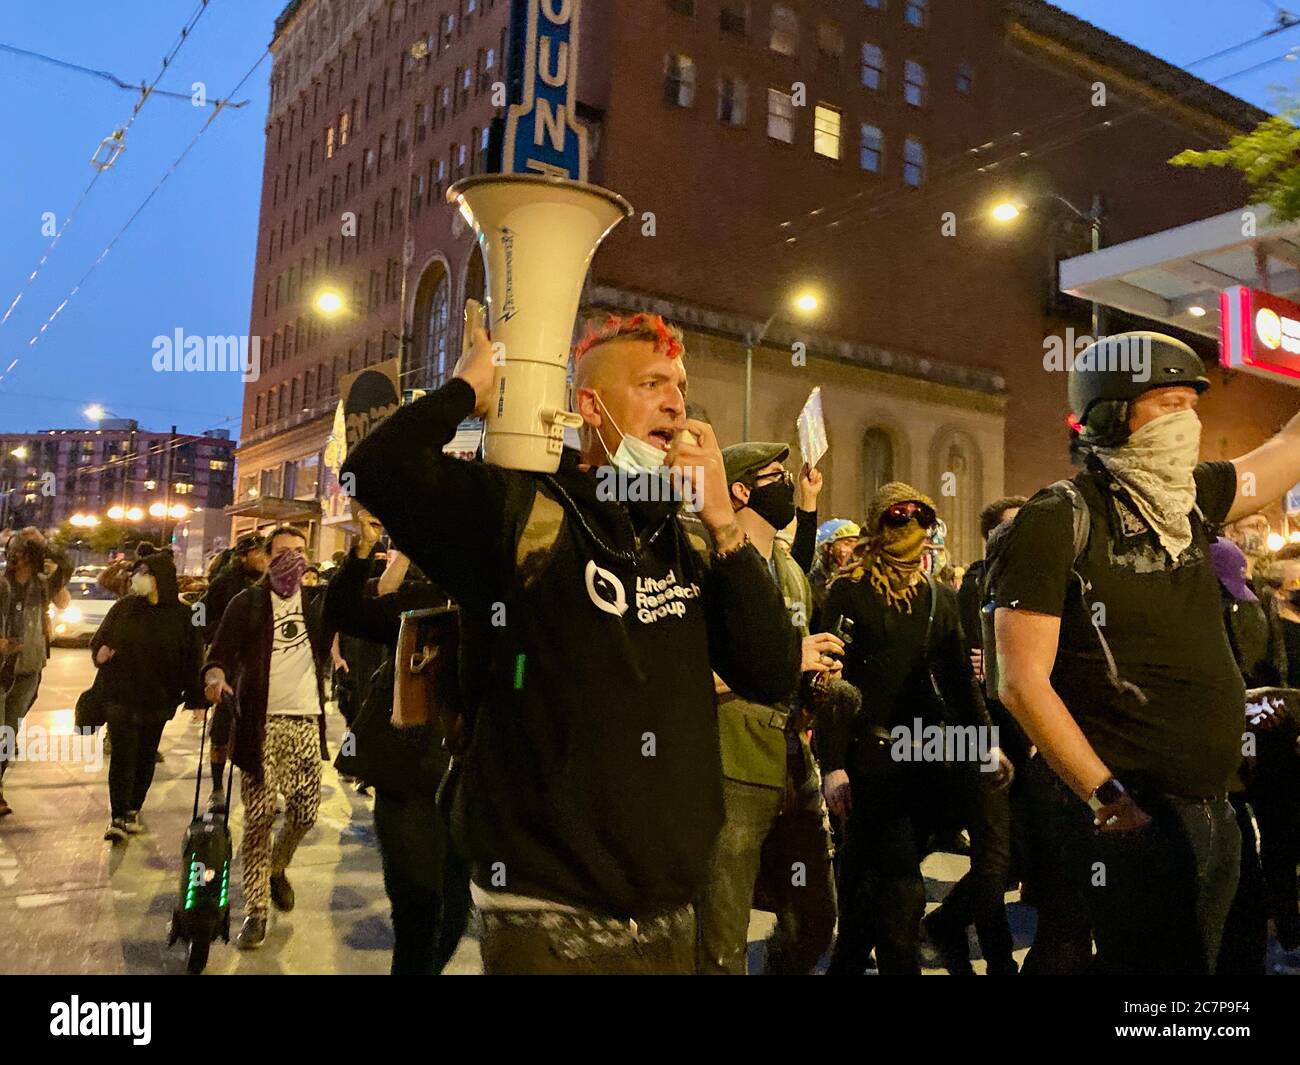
{"points": [[542, 133]]}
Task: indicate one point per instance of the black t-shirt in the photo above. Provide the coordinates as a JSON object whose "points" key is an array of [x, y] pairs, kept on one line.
{"points": [[1162, 620]]}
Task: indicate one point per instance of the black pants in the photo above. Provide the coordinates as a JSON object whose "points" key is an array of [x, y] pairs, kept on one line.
{"points": [[1245, 936], [1063, 939], [131, 763], [978, 898], [896, 809], [426, 883], [1275, 798]]}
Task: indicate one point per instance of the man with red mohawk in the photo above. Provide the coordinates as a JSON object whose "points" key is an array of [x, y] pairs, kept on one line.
{"points": [[592, 621]]}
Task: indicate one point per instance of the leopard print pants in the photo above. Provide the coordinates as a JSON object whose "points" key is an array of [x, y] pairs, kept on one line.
{"points": [[291, 767]]}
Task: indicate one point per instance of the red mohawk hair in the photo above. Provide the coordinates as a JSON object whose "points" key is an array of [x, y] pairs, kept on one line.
{"points": [[666, 338]]}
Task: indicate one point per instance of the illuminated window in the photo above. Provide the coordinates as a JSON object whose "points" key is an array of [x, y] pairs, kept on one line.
{"points": [[679, 80], [966, 79], [917, 12], [345, 123], [223, 464], [826, 132], [780, 116], [183, 488]]}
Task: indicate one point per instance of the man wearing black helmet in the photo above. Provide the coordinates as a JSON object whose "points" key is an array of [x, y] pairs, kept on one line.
{"points": [[1113, 656]]}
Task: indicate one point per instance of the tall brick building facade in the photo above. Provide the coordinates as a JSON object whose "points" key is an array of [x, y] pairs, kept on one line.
{"points": [[854, 148]]}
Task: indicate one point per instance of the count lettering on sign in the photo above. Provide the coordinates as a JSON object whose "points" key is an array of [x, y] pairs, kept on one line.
{"points": [[543, 135]]}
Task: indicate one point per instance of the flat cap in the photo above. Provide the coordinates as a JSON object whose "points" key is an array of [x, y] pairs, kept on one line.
{"points": [[742, 460]]}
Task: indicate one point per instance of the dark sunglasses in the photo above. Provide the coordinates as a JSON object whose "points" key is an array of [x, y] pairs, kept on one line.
{"points": [[784, 477], [901, 513]]}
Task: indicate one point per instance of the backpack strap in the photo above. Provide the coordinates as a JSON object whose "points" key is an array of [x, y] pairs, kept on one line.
{"points": [[925, 643], [1082, 531]]}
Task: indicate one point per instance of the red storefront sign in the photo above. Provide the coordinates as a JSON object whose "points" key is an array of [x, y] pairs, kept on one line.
{"points": [[1260, 333]]}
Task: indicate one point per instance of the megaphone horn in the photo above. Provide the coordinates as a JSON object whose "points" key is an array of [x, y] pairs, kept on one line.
{"points": [[538, 235]]}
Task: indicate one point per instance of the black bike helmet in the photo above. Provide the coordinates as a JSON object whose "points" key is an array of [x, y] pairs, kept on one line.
{"points": [[1112, 372]]}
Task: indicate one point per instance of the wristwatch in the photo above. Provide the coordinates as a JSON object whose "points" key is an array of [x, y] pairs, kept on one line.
{"points": [[1108, 792]]}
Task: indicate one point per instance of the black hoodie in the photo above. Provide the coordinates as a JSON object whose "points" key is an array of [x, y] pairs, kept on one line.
{"points": [[593, 776], [157, 649]]}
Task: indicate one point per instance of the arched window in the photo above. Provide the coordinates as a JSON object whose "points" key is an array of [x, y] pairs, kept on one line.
{"points": [[957, 479], [429, 364], [475, 277], [878, 463]]}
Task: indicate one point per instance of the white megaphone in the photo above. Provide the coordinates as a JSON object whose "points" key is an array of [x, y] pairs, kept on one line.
{"points": [[538, 235]]}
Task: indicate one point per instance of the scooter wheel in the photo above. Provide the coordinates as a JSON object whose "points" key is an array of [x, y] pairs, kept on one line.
{"points": [[198, 957]]}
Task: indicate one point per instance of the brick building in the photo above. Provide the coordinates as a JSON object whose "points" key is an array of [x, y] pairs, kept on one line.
{"points": [[48, 476], [852, 148]]}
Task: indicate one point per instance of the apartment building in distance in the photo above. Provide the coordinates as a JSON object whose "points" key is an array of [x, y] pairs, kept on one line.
{"points": [[849, 149]]}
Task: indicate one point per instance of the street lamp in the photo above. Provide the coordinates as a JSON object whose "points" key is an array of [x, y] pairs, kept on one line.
{"points": [[116, 513], [20, 453], [1009, 210], [134, 514], [95, 413], [805, 303], [329, 302]]}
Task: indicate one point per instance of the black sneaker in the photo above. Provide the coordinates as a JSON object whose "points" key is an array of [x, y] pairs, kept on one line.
{"points": [[253, 934], [116, 832], [281, 892], [132, 823], [950, 943]]}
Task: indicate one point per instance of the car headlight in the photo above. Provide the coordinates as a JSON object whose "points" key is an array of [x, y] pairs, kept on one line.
{"points": [[72, 615]]}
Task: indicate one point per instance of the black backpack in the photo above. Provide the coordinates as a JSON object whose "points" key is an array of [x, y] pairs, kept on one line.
{"points": [[997, 543]]}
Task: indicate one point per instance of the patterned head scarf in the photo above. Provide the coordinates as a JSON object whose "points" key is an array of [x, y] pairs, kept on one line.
{"points": [[890, 556]]}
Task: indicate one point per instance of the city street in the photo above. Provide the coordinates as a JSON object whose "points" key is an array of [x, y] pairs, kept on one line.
{"points": [[72, 903]]}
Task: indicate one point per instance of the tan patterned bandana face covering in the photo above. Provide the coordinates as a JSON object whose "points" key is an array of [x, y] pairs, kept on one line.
{"points": [[1155, 465], [893, 556]]}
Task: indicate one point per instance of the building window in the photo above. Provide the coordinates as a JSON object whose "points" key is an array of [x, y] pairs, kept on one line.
{"points": [[679, 81], [345, 125], [873, 148], [682, 7], [914, 83], [875, 5], [826, 132], [966, 79], [913, 162], [780, 116], [785, 31], [830, 48], [329, 143], [873, 66], [448, 33], [733, 100], [733, 20], [878, 462], [484, 141], [917, 12]]}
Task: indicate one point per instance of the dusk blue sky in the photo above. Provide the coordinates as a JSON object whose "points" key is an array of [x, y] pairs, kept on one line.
{"points": [[187, 261]]}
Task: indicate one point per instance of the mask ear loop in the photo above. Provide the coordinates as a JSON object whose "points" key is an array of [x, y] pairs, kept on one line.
{"points": [[599, 435]]}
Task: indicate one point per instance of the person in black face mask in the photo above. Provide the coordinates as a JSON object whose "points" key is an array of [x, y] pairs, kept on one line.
{"points": [[774, 849]]}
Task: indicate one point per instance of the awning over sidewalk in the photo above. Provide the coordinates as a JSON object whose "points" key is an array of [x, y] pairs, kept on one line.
{"points": [[271, 508], [1169, 276]]}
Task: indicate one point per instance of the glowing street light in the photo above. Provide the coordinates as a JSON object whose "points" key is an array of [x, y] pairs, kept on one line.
{"points": [[157, 510], [116, 513], [806, 303], [329, 301], [95, 413], [1006, 212], [134, 514], [20, 453], [178, 510]]}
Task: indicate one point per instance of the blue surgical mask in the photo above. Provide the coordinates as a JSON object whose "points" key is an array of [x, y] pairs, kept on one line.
{"points": [[632, 455]]}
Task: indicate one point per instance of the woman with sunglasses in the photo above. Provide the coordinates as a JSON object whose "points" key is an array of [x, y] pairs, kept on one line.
{"points": [[908, 661]]}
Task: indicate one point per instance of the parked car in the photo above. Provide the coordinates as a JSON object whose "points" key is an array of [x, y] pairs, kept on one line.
{"points": [[76, 624]]}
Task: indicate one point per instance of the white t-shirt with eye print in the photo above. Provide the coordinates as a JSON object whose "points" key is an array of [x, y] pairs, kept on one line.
{"points": [[292, 691]]}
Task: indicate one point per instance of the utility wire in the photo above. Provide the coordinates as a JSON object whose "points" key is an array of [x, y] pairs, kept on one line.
{"points": [[145, 93], [135, 214], [115, 80]]}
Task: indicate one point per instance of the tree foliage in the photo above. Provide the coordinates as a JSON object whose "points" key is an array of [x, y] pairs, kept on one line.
{"points": [[1268, 158]]}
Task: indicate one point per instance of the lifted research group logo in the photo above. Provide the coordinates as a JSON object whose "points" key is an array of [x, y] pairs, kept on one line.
{"points": [[606, 590]]}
